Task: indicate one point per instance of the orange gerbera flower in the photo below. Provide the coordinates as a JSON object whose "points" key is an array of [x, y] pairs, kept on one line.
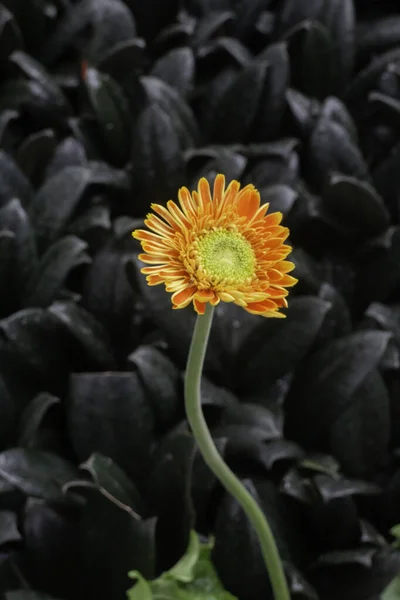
{"points": [[223, 247]]}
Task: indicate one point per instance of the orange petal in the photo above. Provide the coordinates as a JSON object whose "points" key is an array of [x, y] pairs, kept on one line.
{"points": [[186, 202], [205, 295], [204, 194], [228, 199], [281, 302], [248, 203], [183, 297], [260, 213], [154, 279], [260, 307], [219, 187], [177, 214], [277, 292], [274, 276], [153, 260], [172, 272], [177, 285], [225, 297], [199, 307], [166, 215], [288, 281], [150, 270], [156, 224], [143, 235], [273, 219], [285, 266]]}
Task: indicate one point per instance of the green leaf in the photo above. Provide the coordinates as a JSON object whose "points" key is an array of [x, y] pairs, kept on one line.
{"points": [[395, 532], [141, 590], [193, 577], [164, 589], [183, 571], [392, 591]]}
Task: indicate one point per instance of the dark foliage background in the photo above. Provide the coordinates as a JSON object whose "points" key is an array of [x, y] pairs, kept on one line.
{"points": [[105, 107]]}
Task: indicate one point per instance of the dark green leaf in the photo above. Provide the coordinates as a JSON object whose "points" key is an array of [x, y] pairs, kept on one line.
{"points": [[50, 548], [13, 183], [268, 423], [36, 472], [34, 342], [10, 35], [334, 373], [69, 153], [28, 595], [386, 179], [281, 198], [32, 69], [93, 226], [330, 488], [89, 334], [338, 319], [272, 103], [232, 164], [339, 396], [154, 15], [9, 408], [237, 555], [173, 104], [354, 208], [7, 269], [298, 585], [377, 35], [112, 113], [278, 163], [303, 110], [244, 449], [161, 380], [337, 17], [365, 79], [177, 69], [360, 556], [168, 489], [157, 165], [112, 480], [332, 150], [234, 117], [360, 436], [112, 23], [33, 417], [31, 20], [35, 153], [109, 413], [14, 218], [54, 268], [381, 257], [114, 541], [8, 528], [312, 59], [56, 201], [276, 348], [107, 293]]}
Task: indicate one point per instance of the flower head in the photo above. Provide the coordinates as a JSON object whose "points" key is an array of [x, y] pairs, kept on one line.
{"points": [[220, 247]]}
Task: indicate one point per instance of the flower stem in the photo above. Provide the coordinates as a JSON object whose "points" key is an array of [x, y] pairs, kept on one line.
{"points": [[216, 463]]}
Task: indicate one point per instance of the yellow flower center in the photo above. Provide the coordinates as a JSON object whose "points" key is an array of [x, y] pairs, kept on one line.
{"points": [[225, 256]]}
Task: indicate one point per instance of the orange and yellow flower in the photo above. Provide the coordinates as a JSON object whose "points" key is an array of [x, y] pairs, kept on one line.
{"points": [[219, 247]]}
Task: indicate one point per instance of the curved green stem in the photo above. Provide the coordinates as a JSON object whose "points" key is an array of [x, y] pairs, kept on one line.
{"points": [[216, 463]]}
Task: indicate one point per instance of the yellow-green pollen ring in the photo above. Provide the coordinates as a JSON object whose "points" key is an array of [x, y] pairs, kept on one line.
{"points": [[225, 255]]}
